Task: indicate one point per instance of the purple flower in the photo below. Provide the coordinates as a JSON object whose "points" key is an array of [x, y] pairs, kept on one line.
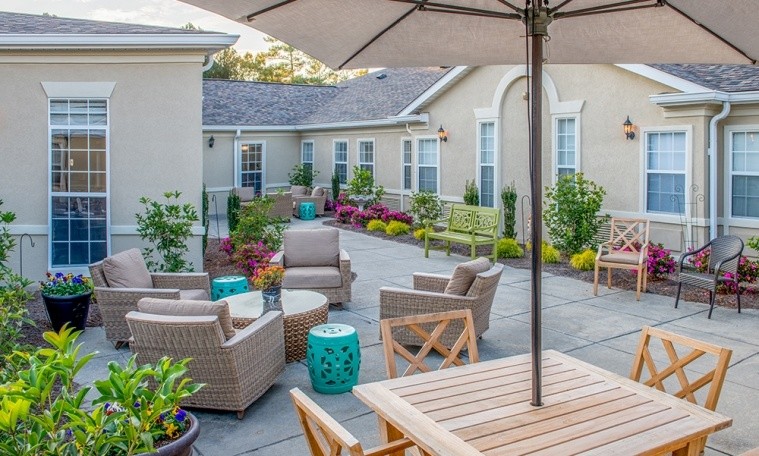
{"points": [[181, 415], [137, 404]]}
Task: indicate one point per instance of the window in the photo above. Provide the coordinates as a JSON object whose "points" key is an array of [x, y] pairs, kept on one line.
{"points": [[78, 130], [487, 164], [252, 166], [566, 147], [665, 171], [744, 170], [427, 164], [307, 154], [366, 154], [340, 149], [406, 157]]}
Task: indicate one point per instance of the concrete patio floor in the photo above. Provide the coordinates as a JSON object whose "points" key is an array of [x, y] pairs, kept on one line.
{"points": [[601, 330]]}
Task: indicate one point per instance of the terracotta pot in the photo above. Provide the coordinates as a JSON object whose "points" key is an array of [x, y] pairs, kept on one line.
{"points": [[67, 309], [183, 445]]}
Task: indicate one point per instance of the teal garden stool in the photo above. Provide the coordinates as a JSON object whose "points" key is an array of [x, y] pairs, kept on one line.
{"points": [[333, 358], [307, 211], [222, 287]]}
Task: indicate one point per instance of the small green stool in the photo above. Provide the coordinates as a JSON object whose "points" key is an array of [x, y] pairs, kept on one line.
{"points": [[307, 211], [222, 287], [333, 358]]}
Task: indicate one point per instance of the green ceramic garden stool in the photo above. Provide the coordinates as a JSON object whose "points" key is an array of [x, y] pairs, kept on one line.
{"points": [[333, 358], [222, 287], [307, 211]]}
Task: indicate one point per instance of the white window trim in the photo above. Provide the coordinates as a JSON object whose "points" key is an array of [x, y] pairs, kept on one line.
{"points": [[347, 159], [263, 162], [374, 155], [313, 152], [667, 218], [555, 144], [496, 155], [415, 161], [404, 191], [727, 217]]}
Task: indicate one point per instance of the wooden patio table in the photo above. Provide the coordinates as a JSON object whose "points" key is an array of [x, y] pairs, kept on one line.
{"points": [[484, 408]]}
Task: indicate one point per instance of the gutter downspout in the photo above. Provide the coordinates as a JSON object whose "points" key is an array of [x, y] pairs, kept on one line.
{"points": [[712, 151], [408, 129], [236, 169], [208, 65]]}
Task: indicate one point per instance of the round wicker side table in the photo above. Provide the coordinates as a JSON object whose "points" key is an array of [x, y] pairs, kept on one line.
{"points": [[333, 358]]}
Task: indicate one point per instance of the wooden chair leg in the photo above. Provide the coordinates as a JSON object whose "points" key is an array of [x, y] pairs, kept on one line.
{"points": [[677, 299], [639, 284], [608, 278], [645, 278], [595, 282]]}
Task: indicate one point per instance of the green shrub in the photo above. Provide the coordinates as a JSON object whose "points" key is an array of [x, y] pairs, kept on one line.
{"points": [[584, 261], [549, 253], [426, 207], [571, 212], [302, 174], [753, 242], [167, 227], [508, 248], [363, 184], [233, 210], [204, 217], [509, 199], [335, 186], [420, 232], [376, 225], [396, 228], [255, 225], [471, 194]]}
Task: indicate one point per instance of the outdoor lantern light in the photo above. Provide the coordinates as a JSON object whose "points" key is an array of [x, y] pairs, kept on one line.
{"points": [[442, 134], [629, 133], [211, 141]]}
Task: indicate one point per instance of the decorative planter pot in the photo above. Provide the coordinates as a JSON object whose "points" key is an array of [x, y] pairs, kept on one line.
{"points": [[360, 200], [272, 298], [183, 445], [67, 309]]}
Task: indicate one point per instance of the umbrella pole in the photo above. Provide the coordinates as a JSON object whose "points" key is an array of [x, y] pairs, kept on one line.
{"points": [[536, 165]]}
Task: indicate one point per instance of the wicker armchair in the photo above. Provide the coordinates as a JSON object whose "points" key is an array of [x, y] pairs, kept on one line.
{"points": [[318, 196], [236, 371], [428, 297], [115, 303], [283, 202]]}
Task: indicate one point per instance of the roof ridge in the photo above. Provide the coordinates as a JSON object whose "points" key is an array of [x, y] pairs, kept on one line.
{"points": [[95, 21]]}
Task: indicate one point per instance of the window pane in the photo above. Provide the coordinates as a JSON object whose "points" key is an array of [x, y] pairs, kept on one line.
{"points": [[427, 178], [252, 166], [745, 199], [487, 186]]}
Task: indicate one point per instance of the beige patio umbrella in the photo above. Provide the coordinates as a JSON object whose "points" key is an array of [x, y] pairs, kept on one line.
{"points": [[407, 33]]}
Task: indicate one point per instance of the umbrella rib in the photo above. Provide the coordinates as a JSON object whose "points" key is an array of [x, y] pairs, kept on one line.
{"points": [[465, 13], [515, 8], [440, 7], [377, 36], [252, 16], [610, 8], [713, 33], [561, 5]]}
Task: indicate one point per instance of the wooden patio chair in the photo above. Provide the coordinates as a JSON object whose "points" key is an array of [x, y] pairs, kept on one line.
{"points": [[326, 437], [429, 328], [724, 256], [687, 388], [627, 249]]}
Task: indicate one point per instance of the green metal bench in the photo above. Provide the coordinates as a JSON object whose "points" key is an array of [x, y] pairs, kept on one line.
{"points": [[470, 225]]}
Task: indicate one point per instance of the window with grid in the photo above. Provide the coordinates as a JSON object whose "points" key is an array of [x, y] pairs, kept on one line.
{"points": [[665, 171], [78, 131], [427, 164], [406, 151], [487, 164], [566, 147], [744, 173], [307, 154], [366, 155], [341, 160], [252, 166]]}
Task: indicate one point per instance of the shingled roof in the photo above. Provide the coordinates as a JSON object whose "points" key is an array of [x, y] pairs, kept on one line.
{"points": [[725, 78], [377, 95], [20, 23]]}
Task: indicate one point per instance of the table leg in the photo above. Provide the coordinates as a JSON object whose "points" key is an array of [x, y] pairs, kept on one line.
{"points": [[693, 448], [389, 433]]}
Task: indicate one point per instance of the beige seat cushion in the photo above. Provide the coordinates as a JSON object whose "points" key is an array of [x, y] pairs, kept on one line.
{"points": [[299, 190], [245, 193], [186, 308], [320, 247], [194, 295], [621, 257], [317, 191], [313, 277], [464, 275], [127, 270]]}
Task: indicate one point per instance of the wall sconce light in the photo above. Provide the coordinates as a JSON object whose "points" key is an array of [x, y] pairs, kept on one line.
{"points": [[211, 140], [628, 126], [442, 134]]}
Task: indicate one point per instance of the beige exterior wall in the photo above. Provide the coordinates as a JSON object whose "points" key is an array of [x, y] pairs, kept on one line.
{"points": [[154, 145]]}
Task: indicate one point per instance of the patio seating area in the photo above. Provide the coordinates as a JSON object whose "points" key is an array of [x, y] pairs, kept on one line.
{"points": [[601, 330]]}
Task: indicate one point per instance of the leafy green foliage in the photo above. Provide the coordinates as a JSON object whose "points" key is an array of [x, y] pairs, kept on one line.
{"points": [[396, 228], [509, 199], [571, 212], [426, 207], [508, 248], [583, 261], [204, 217], [335, 186], [549, 253], [420, 233], [471, 194], [753, 242], [167, 227], [376, 225], [362, 184], [233, 210], [255, 225], [302, 174]]}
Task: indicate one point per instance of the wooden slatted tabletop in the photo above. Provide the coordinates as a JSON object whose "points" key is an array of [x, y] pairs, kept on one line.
{"points": [[484, 408]]}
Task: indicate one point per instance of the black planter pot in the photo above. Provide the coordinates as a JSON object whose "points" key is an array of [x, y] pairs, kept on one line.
{"points": [[272, 298], [183, 445], [67, 309]]}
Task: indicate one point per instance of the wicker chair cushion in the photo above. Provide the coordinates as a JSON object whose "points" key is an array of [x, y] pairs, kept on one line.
{"points": [[299, 190], [127, 270], [621, 257], [187, 308], [194, 295], [317, 191], [311, 248], [313, 277], [464, 275], [246, 193]]}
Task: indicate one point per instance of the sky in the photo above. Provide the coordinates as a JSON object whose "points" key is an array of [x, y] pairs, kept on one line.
{"points": [[167, 13]]}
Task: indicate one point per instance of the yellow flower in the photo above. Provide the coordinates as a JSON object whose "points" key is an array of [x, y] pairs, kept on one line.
{"points": [[172, 431]]}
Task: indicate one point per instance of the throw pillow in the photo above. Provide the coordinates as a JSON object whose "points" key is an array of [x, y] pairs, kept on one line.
{"points": [[317, 191], [187, 308], [464, 275], [299, 190], [320, 247], [127, 270]]}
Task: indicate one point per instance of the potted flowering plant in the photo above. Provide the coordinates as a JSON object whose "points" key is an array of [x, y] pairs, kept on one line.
{"points": [[268, 278], [67, 299]]}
